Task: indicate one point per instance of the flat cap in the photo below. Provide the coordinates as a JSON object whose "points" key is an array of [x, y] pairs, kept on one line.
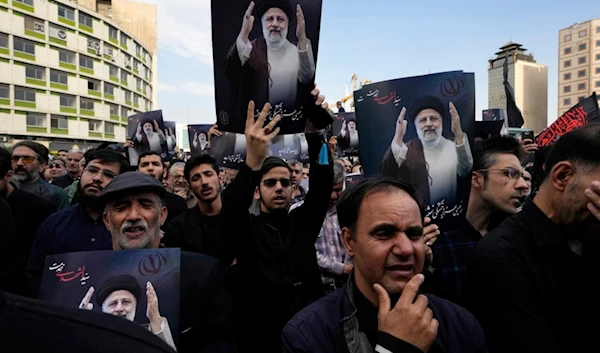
{"points": [[131, 182], [119, 282]]}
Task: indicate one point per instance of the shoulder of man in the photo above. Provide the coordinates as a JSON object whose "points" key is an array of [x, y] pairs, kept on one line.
{"points": [[35, 203]]}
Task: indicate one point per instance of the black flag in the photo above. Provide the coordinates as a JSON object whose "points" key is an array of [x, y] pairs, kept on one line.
{"points": [[515, 118]]}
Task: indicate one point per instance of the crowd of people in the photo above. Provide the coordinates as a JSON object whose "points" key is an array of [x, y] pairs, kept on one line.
{"points": [[284, 257]]}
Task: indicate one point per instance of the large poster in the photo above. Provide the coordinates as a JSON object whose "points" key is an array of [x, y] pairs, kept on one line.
{"points": [[146, 131], [198, 137], [346, 132], [420, 130], [265, 51], [138, 285], [170, 132]]}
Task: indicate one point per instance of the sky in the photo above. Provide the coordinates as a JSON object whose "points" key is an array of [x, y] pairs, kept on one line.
{"points": [[376, 39]]}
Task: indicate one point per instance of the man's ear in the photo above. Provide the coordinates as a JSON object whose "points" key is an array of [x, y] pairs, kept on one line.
{"points": [[106, 220], [163, 215], [348, 240], [257, 193]]}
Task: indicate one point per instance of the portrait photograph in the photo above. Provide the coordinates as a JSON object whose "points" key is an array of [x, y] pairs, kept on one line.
{"points": [[198, 137], [345, 130], [264, 51], [147, 132], [170, 132]]}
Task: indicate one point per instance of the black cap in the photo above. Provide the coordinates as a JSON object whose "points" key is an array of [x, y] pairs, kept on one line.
{"points": [[131, 182], [119, 282], [264, 6], [427, 102]]}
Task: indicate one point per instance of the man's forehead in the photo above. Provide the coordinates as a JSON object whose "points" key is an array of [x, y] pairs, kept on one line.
{"points": [[202, 168], [387, 203], [428, 113], [121, 293], [275, 11], [506, 160], [277, 172], [24, 150], [75, 154], [135, 196]]}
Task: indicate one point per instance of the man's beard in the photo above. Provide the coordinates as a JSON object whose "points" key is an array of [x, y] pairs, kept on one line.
{"points": [[275, 40], [89, 200], [429, 140], [149, 132], [212, 199], [24, 178], [121, 238]]}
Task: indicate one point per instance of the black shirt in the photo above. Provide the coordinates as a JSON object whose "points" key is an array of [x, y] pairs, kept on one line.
{"points": [[176, 205], [530, 291], [63, 181]]}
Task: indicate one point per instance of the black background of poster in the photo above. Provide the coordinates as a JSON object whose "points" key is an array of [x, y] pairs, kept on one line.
{"points": [[336, 127], [171, 125], [227, 17], [192, 129], [377, 121], [155, 115], [100, 265]]}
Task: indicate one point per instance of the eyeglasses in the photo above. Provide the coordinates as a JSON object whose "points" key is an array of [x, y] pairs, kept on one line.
{"points": [[269, 183], [106, 173], [512, 173], [57, 165], [177, 177], [25, 159]]}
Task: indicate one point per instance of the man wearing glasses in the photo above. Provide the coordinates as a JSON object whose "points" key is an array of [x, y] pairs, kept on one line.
{"points": [[28, 161], [79, 227], [497, 190]]}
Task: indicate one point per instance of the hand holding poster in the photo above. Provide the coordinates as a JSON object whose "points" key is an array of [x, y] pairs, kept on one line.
{"points": [[137, 285], [418, 129], [146, 130], [265, 51]]}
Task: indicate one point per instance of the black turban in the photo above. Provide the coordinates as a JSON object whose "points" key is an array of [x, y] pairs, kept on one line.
{"points": [[264, 6], [115, 283], [427, 102]]}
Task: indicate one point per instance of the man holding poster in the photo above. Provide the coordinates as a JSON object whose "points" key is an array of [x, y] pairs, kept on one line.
{"points": [[270, 68], [431, 162]]}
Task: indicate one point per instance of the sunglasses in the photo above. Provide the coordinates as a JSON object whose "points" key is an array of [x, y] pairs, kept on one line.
{"points": [[25, 159], [270, 183]]}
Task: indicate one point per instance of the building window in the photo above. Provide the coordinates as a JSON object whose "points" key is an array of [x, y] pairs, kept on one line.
{"points": [[597, 83], [112, 33], [145, 55], [113, 70], [123, 112], [67, 101], [581, 73], [59, 77], [136, 64], [136, 99], [36, 120], [123, 75], [138, 83], [581, 86], [567, 101], [109, 128], [3, 40], [33, 24], [57, 32], [24, 46], [4, 91], [127, 59], [66, 56], [138, 49], [581, 60], [582, 33], [567, 76], [128, 96], [582, 46], [124, 38], [566, 89], [597, 57], [26, 2], [110, 51], [598, 43], [59, 122], [580, 98], [66, 12], [85, 103], [85, 20], [568, 50], [567, 37], [114, 109], [109, 89], [94, 85], [147, 72], [95, 126], [35, 72], [86, 62], [567, 63]]}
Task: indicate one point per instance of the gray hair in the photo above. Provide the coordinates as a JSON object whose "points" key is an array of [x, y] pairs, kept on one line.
{"points": [[293, 162], [339, 173], [75, 150], [176, 165]]}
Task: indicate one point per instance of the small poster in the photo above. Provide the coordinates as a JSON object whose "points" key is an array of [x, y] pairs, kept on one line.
{"points": [[198, 137], [345, 130], [170, 133], [141, 286], [265, 51], [146, 131]]}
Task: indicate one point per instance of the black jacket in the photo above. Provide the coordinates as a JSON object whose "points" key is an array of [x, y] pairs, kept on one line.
{"points": [[276, 253], [176, 205]]}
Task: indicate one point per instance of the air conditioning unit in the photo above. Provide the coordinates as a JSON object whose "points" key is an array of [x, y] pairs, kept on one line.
{"points": [[97, 51], [3, 138]]}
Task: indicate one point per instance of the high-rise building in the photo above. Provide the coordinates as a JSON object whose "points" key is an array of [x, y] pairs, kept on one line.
{"points": [[578, 63], [529, 81], [72, 74]]}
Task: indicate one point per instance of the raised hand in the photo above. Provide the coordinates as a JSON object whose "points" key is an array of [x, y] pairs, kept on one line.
{"points": [[152, 311], [400, 128], [301, 28], [258, 136], [214, 131], [456, 127], [410, 320], [85, 302], [247, 23], [139, 129], [156, 128]]}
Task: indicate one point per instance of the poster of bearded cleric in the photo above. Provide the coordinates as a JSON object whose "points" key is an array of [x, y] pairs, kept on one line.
{"points": [[138, 285], [420, 130], [264, 51], [346, 133], [146, 132], [198, 137], [170, 132]]}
